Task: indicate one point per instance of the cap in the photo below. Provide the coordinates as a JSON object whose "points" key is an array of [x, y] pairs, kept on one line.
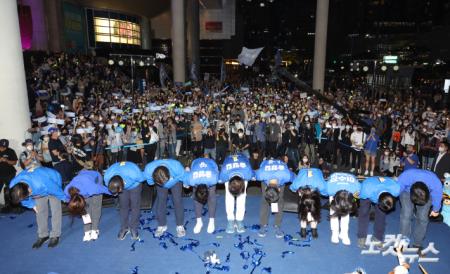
{"points": [[53, 129], [27, 141], [4, 143]]}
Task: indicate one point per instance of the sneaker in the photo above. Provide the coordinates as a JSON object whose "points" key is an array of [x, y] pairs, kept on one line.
{"points": [[352, 169], [39, 242], [314, 233], [334, 238], [345, 239], [362, 243], [53, 242], [134, 235], [371, 173], [278, 232], [122, 234], [262, 231], [160, 231], [303, 233], [180, 231], [94, 234], [211, 226], [366, 173], [240, 227], [230, 227], [87, 236], [198, 226]]}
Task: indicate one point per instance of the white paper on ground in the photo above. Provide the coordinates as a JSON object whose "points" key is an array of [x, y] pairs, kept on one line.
{"points": [[274, 207], [86, 219]]}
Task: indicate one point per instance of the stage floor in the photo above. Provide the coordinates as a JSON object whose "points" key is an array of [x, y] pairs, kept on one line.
{"points": [[246, 253]]}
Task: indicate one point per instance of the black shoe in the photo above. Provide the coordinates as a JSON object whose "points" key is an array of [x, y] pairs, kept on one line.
{"points": [[40, 242], [134, 235], [314, 233], [303, 232], [53, 242], [122, 234]]}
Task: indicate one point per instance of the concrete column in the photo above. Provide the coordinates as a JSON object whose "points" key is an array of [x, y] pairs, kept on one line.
{"points": [[145, 33], [320, 44], [178, 41], [54, 23], [14, 108], [193, 13]]}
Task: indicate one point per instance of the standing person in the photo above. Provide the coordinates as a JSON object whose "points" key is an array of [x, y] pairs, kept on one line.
{"points": [[309, 140], [420, 191], [35, 188], [222, 142], [341, 188], [29, 157], [304, 163], [410, 159], [345, 146], [209, 143], [171, 138], [358, 138], [8, 159], [162, 138], [203, 176], [167, 174], [124, 179], [85, 194], [381, 192], [309, 184], [150, 139], [273, 133], [441, 163], [290, 142], [55, 146], [259, 134], [196, 135], [273, 175], [235, 173], [240, 143], [370, 150]]}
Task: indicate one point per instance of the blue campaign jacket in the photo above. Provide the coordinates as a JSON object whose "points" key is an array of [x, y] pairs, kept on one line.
{"points": [[89, 183], [42, 181], [203, 171], [342, 181], [312, 177], [236, 165], [175, 168], [131, 174], [410, 176], [274, 169], [372, 187]]}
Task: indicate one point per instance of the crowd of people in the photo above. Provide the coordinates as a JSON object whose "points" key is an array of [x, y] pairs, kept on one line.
{"points": [[87, 115]]}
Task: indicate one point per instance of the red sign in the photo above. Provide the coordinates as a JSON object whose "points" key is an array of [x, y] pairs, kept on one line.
{"points": [[213, 26]]}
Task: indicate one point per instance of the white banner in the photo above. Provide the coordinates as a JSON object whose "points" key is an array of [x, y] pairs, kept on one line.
{"points": [[248, 56]]}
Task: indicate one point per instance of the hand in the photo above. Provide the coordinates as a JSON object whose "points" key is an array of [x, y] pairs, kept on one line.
{"points": [[434, 214], [35, 209]]}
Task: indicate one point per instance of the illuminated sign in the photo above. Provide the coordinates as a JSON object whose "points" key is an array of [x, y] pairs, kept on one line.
{"points": [[117, 31], [390, 59]]}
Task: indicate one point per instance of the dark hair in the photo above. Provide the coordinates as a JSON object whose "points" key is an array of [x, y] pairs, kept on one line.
{"points": [[201, 193], [77, 204], [386, 202], [19, 192], [236, 186], [115, 184], [309, 202], [342, 204], [419, 193], [161, 175], [272, 194]]}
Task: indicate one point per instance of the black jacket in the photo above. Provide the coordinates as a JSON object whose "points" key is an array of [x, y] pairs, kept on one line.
{"points": [[442, 167]]}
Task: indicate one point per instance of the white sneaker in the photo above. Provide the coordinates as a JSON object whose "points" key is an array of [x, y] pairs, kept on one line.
{"points": [[180, 231], [366, 173], [352, 169], [87, 236], [198, 226], [160, 231], [211, 226], [94, 234], [345, 239], [371, 173], [334, 238]]}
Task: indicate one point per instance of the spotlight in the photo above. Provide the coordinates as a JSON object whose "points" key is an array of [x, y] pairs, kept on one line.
{"points": [[366, 68], [262, 5], [383, 68], [120, 63], [357, 69], [395, 68], [141, 63], [111, 62], [342, 67], [351, 69]]}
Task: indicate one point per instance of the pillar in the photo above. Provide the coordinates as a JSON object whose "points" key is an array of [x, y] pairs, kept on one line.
{"points": [[193, 12], [320, 44], [14, 108], [178, 41], [54, 23], [145, 33]]}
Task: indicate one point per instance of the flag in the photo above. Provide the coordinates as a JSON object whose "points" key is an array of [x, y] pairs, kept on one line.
{"points": [[193, 73], [278, 59], [162, 75], [223, 75], [42, 93], [248, 56]]}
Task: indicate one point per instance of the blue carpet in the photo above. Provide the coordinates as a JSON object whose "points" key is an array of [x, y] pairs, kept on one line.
{"points": [[245, 254]]}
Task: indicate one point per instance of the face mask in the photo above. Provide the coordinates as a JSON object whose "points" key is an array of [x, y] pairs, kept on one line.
{"points": [[305, 160], [354, 128], [30, 147], [241, 134], [116, 124], [101, 125], [272, 120], [386, 153], [347, 127], [46, 138], [306, 119], [134, 134], [441, 149], [308, 125]]}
